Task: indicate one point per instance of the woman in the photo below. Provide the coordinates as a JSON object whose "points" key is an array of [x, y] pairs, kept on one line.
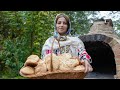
{"points": [[68, 44]]}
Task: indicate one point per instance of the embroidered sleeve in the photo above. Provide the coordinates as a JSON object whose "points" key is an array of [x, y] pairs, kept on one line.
{"points": [[82, 53]]}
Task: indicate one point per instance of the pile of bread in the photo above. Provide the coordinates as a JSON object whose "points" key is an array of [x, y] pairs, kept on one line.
{"points": [[34, 65]]}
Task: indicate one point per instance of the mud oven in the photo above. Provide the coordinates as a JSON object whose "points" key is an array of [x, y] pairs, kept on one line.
{"points": [[103, 45]]}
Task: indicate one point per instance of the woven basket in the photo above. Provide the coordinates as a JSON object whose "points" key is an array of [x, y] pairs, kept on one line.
{"points": [[58, 74]]}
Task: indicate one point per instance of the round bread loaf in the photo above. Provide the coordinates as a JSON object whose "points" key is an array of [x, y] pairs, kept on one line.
{"points": [[32, 61], [27, 70]]}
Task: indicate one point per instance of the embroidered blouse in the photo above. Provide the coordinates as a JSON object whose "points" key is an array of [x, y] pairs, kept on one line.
{"points": [[71, 45]]}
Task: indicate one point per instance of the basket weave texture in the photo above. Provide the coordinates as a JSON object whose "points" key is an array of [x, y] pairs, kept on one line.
{"points": [[58, 75]]}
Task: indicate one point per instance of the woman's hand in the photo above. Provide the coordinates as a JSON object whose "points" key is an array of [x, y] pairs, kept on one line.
{"points": [[88, 67]]}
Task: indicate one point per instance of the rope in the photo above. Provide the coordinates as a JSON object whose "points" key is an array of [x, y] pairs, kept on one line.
{"points": [[51, 62]]}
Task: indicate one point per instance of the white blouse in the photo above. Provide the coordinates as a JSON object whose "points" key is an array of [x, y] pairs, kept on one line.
{"points": [[72, 45]]}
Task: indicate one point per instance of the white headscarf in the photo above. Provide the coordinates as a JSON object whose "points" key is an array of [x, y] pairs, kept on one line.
{"points": [[56, 34]]}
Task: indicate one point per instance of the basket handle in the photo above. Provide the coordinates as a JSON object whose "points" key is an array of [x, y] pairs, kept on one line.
{"points": [[51, 62]]}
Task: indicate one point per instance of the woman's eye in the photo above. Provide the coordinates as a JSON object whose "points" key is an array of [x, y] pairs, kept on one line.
{"points": [[59, 23], [62, 22], [65, 23]]}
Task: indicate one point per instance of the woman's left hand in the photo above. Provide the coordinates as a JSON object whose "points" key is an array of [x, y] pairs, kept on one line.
{"points": [[88, 67]]}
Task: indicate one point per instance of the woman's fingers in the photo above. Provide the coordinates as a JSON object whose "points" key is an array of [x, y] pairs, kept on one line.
{"points": [[91, 69], [88, 67], [84, 63]]}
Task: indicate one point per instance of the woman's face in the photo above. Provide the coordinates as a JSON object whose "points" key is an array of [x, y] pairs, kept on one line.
{"points": [[61, 26]]}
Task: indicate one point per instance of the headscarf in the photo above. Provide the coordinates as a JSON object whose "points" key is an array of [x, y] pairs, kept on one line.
{"points": [[56, 34]]}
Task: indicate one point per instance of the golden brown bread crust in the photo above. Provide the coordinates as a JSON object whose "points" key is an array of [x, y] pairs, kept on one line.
{"points": [[68, 64], [64, 62], [32, 61], [80, 68], [41, 67], [61, 62], [55, 62], [27, 70]]}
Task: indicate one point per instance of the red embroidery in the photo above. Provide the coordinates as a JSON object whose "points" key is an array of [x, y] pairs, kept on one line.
{"points": [[87, 56], [48, 51], [84, 52]]}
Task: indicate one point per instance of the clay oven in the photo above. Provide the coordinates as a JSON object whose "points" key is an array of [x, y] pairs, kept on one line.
{"points": [[103, 44]]}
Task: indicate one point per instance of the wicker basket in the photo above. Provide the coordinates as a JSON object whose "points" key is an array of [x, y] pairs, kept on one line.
{"points": [[69, 74], [58, 75]]}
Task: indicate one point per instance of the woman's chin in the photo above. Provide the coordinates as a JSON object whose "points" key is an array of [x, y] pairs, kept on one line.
{"points": [[61, 32]]}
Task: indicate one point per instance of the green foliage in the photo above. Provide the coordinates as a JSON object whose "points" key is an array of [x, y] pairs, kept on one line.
{"points": [[23, 33], [14, 54]]}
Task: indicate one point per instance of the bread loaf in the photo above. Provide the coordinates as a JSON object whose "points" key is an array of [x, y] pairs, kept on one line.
{"points": [[41, 67], [27, 70], [66, 55], [80, 68], [55, 62], [66, 63], [32, 61]]}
